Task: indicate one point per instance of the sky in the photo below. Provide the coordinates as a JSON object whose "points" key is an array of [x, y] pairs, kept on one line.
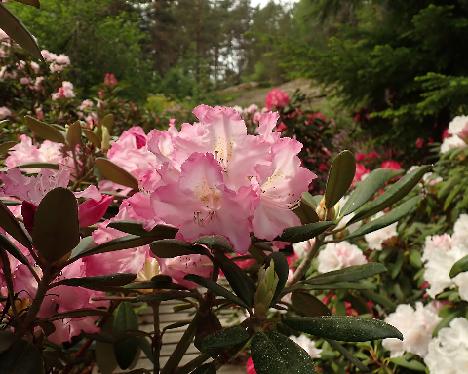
{"points": [[264, 2]]}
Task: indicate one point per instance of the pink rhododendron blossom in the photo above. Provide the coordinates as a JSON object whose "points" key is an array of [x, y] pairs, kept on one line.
{"points": [[4, 112], [110, 80], [179, 267], [390, 164], [65, 91], [276, 99], [361, 172]]}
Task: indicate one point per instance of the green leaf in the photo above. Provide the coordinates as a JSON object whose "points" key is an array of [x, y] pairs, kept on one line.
{"points": [[367, 188], [116, 174], [157, 233], [392, 194], [99, 282], [459, 267], [363, 285], [56, 228], [10, 224], [239, 281], [107, 121], [281, 270], [274, 353], [340, 177], [349, 274], [337, 346], [299, 234], [348, 329], [7, 339], [105, 357], [92, 137], [146, 348], [170, 248], [387, 219], [308, 305], [79, 313], [74, 134], [34, 3], [87, 248], [225, 338], [306, 209], [12, 249], [126, 347], [216, 289], [5, 147], [409, 364], [39, 165], [18, 32], [43, 130], [215, 242], [22, 358]]}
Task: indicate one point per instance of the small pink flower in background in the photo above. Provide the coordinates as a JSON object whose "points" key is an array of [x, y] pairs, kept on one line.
{"points": [[390, 164], [39, 113], [65, 91], [178, 267], [35, 67], [281, 127], [86, 104], [419, 143], [4, 112], [250, 368], [24, 81], [311, 118], [361, 172], [110, 80], [276, 99]]}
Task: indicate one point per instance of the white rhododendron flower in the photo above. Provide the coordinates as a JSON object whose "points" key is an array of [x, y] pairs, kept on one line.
{"points": [[416, 325], [376, 238], [458, 130], [440, 253], [300, 249], [448, 352], [307, 345], [337, 256]]}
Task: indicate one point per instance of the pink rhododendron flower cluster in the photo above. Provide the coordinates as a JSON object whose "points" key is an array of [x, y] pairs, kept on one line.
{"points": [[212, 173], [276, 98], [457, 134], [57, 62], [65, 91], [4, 112]]}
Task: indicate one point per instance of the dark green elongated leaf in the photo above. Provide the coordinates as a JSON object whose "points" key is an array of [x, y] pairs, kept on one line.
{"points": [[126, 347], [340, 177], [348, 329], [22, 358], [308, 305], [337, 346], [74, 134], [10, 224], [11, 248], [159, 232], [238, 279], [362, 285], [392, 194], [274, 353], [79, 313], [215, 242], [387, 219], [34, 3], [145, 347], [16, 30], [92, 137], [7, 339], [116, 174], [459, 267], [281, 270], [113, 280], [87, 248], [306, 209], [169, 248], [216, 289], [225, 338], [299, 234], [56, 228], [163, 296], [105, 357], [409, 364], [367, 188], [349, 274], [39, 165], [44, 130], [5, 147], [208, 368], [107, 121], [208, 325]]}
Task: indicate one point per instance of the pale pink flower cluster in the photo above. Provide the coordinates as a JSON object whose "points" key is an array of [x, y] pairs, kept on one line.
{"points": [[416, 324], [448, 352], [64, 91], [458, 134], [337, 256], [57, 62], [211, 174], [440, 253], [4, 112]]}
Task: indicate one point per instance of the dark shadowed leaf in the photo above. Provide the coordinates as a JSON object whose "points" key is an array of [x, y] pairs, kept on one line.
{"points": [[43, 130], [367, 188], [22, 358], [387, 219], [170, 248], [308, 305], [79, 313], [349, 274], [215, 242], [126, 347], [99, 282], [39, 165], [18, 32], [459, 267], [11, 248], [5, 147], [34, 3], [10, 224], [92, 137], [159, 232], [225, 338], [116, 174], [7, 339], [56, 229], [74, 134], [216, 289], [274, 353], [340, 177], [348, 329], [299, 234], [238, 279], [281, 270]]}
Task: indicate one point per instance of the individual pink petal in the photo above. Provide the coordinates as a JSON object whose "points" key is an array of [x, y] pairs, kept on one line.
{"points": [[91, 211]]}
